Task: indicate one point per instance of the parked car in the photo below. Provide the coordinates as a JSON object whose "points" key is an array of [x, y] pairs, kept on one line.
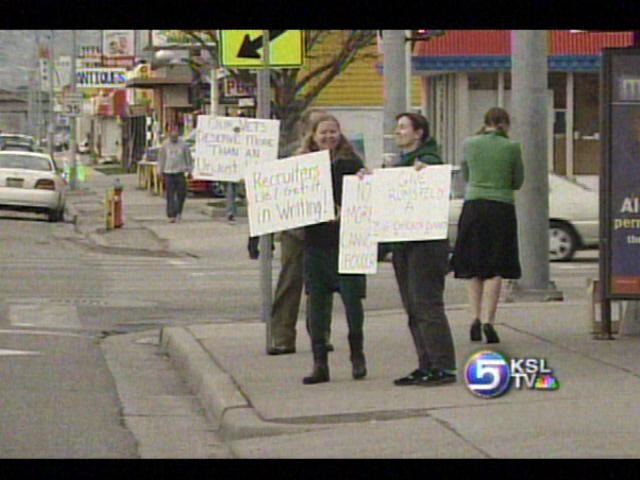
{"points": [[32, 182], [573, 216], [17, 142]]}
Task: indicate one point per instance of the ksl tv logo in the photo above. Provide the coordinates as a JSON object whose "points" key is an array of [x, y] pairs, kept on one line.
{"points": [[489, 374]]}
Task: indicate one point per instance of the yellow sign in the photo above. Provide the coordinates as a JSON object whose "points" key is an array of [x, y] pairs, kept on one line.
{"points": [[245, 48]]}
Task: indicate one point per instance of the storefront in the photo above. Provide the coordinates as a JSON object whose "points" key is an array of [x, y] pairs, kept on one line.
{"points": [[465, 72]]}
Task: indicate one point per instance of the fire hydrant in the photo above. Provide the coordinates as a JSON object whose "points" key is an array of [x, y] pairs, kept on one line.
{"points": [[113, 206]]}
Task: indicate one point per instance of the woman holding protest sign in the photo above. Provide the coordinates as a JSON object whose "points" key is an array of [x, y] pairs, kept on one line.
{"points": [[420, 268], [320, 269]]}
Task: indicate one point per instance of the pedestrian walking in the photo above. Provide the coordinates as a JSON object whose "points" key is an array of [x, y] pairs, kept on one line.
{"points": [[486, 249], [420, 268], [174, 163], [320, 264], [288, 293]]}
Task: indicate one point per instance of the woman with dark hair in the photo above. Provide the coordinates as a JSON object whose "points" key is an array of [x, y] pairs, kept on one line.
{"points": [[486, 249], [420, 268], [320, 264]]}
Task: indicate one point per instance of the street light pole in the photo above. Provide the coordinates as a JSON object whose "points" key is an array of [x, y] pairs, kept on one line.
{"points": [[529, 112], [264, 111], [395, 89], [51, 129], [72, 119]]}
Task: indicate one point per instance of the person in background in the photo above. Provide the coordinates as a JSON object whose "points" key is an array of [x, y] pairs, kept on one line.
{"points": [[231, 209], [420, 268], [174, 163], [287, 297], [320, 264], [486, 249]]}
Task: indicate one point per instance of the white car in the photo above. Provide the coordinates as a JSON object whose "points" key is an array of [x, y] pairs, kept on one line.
{"points": [[32, 182], [573, 215]]}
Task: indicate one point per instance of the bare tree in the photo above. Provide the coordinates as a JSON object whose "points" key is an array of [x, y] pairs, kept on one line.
{"points": [[295, 89]]}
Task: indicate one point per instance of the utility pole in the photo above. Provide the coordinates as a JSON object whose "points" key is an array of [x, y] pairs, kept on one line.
{"points": [[72, 119], [51, 73], [264, 111], [529, 112], [395, 95]]}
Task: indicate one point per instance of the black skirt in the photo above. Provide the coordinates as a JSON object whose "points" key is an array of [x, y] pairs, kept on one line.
{"points": [[487, 242]]}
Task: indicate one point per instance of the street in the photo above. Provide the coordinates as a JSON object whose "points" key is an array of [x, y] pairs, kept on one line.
{"points": [[61, 298]]}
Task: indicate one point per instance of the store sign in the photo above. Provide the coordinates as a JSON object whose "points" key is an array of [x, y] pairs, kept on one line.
{"points": [[118, 48], [163, 38], [233, 88], [101, 78]]}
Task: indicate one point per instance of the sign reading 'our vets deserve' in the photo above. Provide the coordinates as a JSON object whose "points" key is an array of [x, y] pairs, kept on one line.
{"points": [[227, 146]]}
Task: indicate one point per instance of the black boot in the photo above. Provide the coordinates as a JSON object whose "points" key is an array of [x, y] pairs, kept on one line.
{"points": [[320, 371], [490, 333], [476, 331], [358, 362]]}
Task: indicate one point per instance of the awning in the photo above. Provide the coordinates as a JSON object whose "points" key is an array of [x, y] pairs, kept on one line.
{"points": [[157, 82], [492, 63]]}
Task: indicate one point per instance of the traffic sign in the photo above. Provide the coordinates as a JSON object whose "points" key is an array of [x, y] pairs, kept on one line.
{"points": [[244, 48]]}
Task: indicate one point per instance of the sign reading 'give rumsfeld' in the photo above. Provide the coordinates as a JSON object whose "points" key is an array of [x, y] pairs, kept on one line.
{"points": [[101, 78]]}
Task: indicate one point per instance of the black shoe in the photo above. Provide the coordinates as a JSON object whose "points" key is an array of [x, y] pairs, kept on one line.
{"points": [[281, 350], [320, 374], [490, 333], [476, 331], [412, 379], [329, 347], [358, 368], [436, 377]]}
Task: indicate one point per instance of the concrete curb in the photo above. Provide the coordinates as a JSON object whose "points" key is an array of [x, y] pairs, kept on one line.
{"points": [[223, 401]]}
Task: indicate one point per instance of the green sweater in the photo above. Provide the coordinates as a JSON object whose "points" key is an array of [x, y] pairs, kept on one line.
{"points": [[492, 166]]}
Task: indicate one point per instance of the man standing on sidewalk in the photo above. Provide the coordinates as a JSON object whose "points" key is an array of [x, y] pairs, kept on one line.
{"points": [[174, 163]]}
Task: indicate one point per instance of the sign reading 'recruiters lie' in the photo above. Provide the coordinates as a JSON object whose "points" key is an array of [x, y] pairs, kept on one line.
{"points": [[289, 193]]}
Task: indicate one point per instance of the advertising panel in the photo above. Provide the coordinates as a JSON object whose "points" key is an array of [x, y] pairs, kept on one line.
{"points": [[623, 220]]}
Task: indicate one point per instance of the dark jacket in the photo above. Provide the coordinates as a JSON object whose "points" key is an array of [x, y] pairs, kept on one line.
{"points": [[426, 153], [327, 234]]}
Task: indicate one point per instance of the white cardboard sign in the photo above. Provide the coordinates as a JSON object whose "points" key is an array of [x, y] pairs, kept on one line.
{"points": [[358, 252], [410, 205], [289, 193], [227, 146]]}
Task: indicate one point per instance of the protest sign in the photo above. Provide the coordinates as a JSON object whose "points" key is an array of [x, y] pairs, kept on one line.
{"points": [[358, 248], [226, 146], [411, 205], [289, 193]]}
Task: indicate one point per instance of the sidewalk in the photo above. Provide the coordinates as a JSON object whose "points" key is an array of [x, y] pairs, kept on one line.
{"points": [[265, 411]]}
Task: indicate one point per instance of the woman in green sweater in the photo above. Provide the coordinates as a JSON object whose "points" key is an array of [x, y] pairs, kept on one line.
{"points": [[486, 249]]}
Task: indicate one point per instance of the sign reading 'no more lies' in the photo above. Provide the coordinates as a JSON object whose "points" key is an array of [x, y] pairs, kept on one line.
{"points": [[227, 146]]}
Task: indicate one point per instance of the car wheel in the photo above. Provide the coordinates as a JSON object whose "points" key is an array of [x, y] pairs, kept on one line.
{"points": [[562, 242]]}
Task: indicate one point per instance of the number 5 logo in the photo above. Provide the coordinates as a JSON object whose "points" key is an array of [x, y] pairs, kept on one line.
{"points": [[487, 374], [491, 367]]}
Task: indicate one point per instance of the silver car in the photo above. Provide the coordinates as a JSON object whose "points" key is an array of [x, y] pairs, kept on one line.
{"points": [[32, 182], [573, 215]]}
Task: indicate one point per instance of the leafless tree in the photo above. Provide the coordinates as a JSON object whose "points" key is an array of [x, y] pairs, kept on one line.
{"points": [[295, 89]]}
